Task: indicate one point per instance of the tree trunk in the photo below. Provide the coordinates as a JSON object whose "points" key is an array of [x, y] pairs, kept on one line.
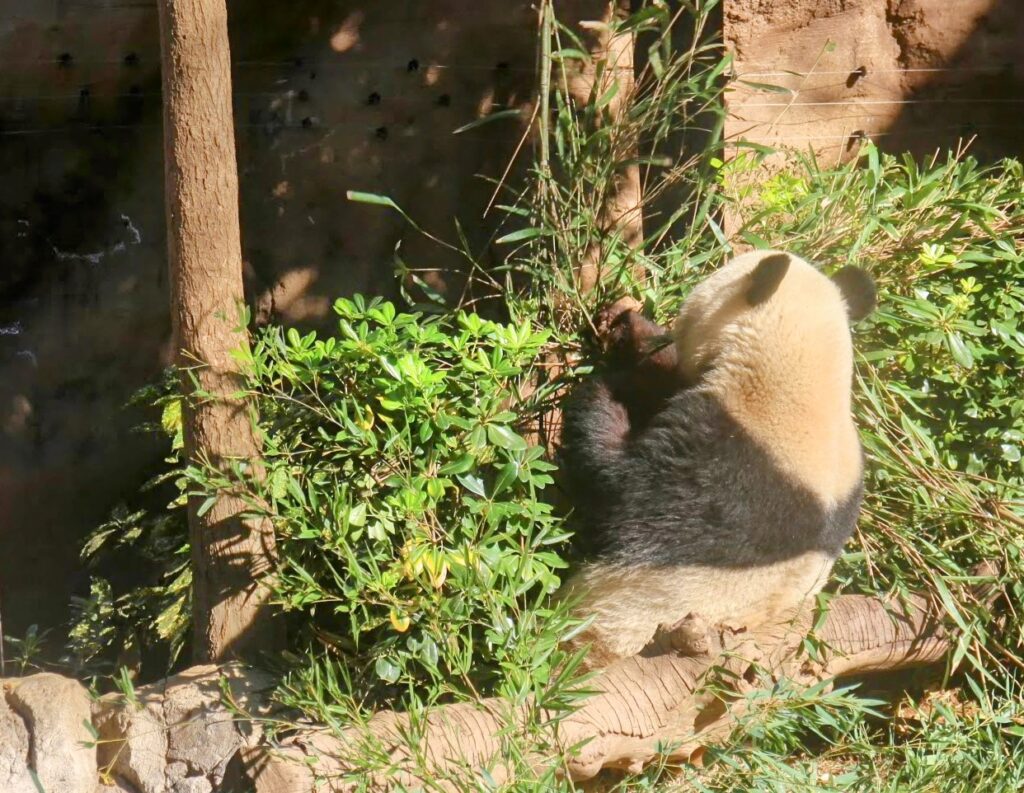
{"points": [[641, 706], [619, 213], [230, 553], [621, 208]]}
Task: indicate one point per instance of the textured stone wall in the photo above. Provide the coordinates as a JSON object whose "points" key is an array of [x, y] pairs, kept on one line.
{"points": [[174, 736], [912, 74]]}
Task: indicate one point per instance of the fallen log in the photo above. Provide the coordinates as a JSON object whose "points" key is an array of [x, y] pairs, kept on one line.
{"points": [[680, 695], [201, 729]]}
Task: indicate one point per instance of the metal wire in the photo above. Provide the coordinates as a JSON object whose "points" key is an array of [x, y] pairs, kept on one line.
{"points": [[848, 72]]}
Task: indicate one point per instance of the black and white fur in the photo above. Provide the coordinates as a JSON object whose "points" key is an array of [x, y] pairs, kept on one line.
{"points": [[731, 492]]}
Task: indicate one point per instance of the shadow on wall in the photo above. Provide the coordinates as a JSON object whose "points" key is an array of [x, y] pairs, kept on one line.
{"points": [[373, 96], [965, 77]]}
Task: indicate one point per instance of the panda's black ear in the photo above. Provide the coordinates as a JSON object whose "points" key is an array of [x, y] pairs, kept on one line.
{"points": [[765, 278], [858, 291]]}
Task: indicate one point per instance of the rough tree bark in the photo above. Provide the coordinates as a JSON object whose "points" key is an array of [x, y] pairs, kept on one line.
{"points": [[656, 699], [230, 553]]}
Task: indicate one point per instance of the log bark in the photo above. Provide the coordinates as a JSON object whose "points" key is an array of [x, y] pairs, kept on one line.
{"points": [[685, 693], [230, 553]]}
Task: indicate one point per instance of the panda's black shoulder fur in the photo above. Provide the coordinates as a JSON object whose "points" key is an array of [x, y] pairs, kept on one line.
{"points": [[692, 487]]}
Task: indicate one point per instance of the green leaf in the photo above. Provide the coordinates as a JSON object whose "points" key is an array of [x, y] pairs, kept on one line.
{"points": [[279, 484], [429, 652], [504, 437], [371, 198], [390, 367], [605, 99], [511, 113], [961, 352], [206, 506], [948, 603], [459, 465], [654, 58], [357, 515], [569, 53], [768, 87], [506, 476], [874, 165], [474, 484], [387, 670], [522, 234]]}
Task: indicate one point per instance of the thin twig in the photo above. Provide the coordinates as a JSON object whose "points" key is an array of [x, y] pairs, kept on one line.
{"points": [[545, 90]]}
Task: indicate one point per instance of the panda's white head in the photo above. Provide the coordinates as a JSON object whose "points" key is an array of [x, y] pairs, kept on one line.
{"points": [[771, 303], [770, 335]]}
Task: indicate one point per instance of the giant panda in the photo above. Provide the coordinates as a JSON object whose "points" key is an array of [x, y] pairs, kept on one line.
{"points": [[721, 474]]}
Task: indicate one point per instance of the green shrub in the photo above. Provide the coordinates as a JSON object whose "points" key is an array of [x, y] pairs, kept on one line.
{"points": [[150, 619], [108, 627], [414, 543]]}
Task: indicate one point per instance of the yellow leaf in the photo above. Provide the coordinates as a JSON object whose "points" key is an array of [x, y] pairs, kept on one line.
{"points": [[436, 567], [412, 558], [170, 418], [400, 622], [464, 557]]}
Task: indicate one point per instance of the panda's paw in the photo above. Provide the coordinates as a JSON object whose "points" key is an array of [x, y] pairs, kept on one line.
{"points": [[608, 321], [632, 340], [690, 636]]}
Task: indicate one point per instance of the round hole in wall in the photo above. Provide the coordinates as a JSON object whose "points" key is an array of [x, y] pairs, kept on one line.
{"points": [[855, 75]]}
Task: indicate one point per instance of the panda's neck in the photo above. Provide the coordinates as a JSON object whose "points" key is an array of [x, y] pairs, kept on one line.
{"points": [[799, 412]]}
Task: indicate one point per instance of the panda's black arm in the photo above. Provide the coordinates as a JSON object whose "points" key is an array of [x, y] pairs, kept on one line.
{"points": [[595, 429], [643, 357]]}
